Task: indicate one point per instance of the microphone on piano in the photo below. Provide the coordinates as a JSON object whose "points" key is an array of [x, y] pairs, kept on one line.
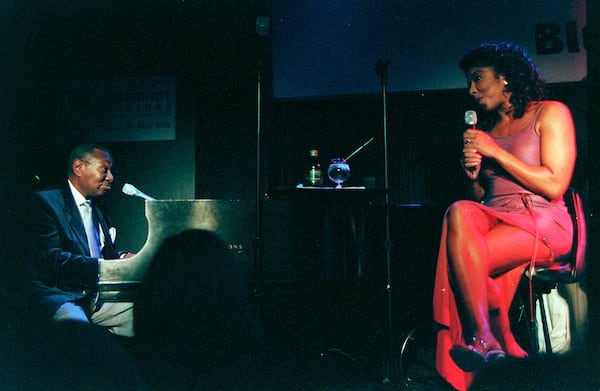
{"points": [[131, 190]]}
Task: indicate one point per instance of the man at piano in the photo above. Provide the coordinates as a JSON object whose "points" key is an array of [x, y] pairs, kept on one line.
{"points": [[71, 232]]}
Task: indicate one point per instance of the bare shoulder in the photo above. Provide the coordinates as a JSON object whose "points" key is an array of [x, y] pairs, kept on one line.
{"points": [[553, 108], [553, 116]]}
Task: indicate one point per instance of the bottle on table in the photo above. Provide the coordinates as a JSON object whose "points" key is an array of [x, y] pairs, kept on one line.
{"points": [[314, 175]]}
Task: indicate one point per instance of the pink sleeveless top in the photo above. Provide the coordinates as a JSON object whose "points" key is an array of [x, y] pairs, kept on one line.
{"points": [[525, 145]]}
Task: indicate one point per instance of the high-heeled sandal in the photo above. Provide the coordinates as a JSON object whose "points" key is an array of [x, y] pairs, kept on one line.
{"points": [[475, 356]]}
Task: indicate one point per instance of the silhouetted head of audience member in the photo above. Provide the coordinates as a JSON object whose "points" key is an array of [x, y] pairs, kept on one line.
{"points": [[195, 294]]}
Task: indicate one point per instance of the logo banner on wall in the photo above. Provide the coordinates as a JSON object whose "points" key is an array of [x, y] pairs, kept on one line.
{"points": [[131, 109]]}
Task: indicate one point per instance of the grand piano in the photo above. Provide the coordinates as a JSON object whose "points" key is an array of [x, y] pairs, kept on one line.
{"points": [[119, 280], [295, 249]]}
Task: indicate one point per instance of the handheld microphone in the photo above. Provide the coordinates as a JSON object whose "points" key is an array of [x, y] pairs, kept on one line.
{"points": [[471, 118], [133, 191]]}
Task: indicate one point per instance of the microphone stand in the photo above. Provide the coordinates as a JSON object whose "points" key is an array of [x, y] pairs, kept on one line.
{"points": [[262, 29], [258, 240], [381, 69]]}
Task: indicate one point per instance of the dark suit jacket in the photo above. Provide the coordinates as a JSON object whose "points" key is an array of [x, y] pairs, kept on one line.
{"points": [[60, 266]]}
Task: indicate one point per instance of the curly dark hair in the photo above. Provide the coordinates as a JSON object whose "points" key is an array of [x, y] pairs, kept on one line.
{"points": [[524, 80]]}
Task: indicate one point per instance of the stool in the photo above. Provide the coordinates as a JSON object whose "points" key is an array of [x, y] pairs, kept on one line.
{"points": [[568, 269]]}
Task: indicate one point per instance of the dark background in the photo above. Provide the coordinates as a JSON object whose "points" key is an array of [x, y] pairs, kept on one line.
{"points": [[213, 50]]}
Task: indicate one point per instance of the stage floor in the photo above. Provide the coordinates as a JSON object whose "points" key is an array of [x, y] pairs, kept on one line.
{"points": [[337, 337]]}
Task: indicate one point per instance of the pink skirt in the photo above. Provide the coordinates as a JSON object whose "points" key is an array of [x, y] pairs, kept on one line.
{"points": [[553, 224]]}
